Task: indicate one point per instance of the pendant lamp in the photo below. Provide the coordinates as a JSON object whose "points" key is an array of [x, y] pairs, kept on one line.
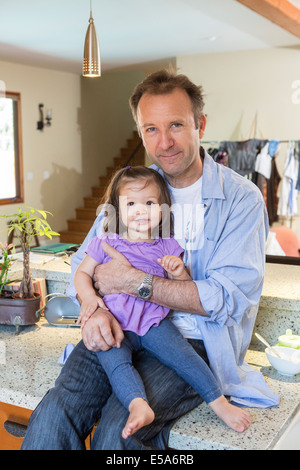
{"points": [[91, 58]]}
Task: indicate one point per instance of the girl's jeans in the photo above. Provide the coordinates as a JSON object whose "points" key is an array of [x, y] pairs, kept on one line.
{"points": [[167, 344], [82, 393]]}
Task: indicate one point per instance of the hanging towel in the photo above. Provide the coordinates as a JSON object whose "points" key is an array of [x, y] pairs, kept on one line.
{"points": [[287, 206], [263, 162]]}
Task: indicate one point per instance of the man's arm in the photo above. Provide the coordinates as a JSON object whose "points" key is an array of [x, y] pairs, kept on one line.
{"points": [[118, 276]]}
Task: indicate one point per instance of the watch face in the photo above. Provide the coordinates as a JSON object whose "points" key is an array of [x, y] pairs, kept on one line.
{"points": [[144, 292]]}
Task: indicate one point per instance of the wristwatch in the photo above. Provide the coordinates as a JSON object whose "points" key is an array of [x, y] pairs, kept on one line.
{"points": [[144, 291]]}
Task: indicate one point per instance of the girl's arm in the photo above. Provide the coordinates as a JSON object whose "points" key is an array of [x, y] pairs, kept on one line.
{"points": [[83, 281]]}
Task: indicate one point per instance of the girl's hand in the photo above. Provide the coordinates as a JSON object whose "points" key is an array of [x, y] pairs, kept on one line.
{"points": [[174, 267], [89, 305]]}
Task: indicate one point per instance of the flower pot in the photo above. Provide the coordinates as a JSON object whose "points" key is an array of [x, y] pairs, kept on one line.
{"points": [[19, 312]]}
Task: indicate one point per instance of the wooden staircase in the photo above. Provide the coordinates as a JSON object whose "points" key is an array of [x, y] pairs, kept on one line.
{"points": [[85, 216]]}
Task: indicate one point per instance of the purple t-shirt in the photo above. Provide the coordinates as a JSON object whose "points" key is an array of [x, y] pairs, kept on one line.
{"points": [[132, 313]]}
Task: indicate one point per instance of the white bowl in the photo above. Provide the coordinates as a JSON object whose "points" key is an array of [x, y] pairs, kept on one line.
{"points": [[288, 364]]}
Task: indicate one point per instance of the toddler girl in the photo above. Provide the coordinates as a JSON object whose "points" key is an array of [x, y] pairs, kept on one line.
{"points": [[135, 201]]}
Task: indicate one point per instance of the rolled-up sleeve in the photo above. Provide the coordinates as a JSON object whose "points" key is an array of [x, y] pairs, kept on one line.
{"points": [[234, 272]]}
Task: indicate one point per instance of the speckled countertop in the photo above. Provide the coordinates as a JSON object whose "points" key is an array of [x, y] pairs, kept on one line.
{"points": [[29, 367], [28, 361], [281, 287], [201, 429]]}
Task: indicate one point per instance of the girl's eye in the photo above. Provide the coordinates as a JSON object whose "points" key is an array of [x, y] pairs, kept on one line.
{"points": [[148, 203], [130, 203]]}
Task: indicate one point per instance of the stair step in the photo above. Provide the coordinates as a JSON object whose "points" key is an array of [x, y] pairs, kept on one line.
{"points": [[79, 225], [134, 142], [104, 181], [98, 191], [91, 202], [86, 213], [72, 237], [119, 162], [125, 153]]}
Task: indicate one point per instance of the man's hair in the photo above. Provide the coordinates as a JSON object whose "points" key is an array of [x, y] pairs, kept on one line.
{"points": [[164, 82]]}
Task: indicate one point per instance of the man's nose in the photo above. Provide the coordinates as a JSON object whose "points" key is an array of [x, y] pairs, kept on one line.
{"points": [[166, 140]]}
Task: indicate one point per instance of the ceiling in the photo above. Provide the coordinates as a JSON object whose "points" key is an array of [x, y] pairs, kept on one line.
{"points": [[51, 33]]}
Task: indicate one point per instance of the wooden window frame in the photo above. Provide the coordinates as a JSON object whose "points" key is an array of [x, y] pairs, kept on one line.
{"points": [[18, 151]]}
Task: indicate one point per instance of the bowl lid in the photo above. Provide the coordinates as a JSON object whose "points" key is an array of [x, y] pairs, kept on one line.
{"points": [[290, 340]]}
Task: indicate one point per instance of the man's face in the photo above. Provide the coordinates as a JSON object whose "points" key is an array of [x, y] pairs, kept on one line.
{"points": [[169, 134]]}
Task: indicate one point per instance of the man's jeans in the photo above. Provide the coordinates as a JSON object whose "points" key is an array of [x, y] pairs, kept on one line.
{"points": [[82, 393]]}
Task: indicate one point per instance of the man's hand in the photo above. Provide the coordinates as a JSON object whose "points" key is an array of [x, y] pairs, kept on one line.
{"points": [[116, 276], [102, 331]]}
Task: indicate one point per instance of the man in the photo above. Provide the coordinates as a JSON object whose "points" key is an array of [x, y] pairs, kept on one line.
{"points": [[220, 221]]}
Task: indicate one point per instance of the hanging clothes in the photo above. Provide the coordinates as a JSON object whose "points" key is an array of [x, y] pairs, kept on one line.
{"points": [[267, 177], [287, 206], [242, 155], [263, 162], [298, 154], [272, 193]]}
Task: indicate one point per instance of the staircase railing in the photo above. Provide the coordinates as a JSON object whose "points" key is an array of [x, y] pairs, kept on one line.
{"points": [[134, 152]]}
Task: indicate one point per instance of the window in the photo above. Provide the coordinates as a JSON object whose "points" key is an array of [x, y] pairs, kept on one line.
{"points": [[11, 162]]}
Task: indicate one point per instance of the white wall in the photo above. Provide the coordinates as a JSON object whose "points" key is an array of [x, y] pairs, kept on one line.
{"points": [[57, 149]]}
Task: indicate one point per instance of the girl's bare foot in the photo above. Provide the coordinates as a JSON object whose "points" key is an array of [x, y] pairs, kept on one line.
{"points": [[236, 418], [140, 414]]}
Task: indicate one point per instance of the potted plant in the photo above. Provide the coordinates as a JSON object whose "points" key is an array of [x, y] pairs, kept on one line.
{"points": [[5, 263], [22, 307]]}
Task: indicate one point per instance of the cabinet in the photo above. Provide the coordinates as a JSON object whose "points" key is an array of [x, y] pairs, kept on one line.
{"points": [[13, 422]]}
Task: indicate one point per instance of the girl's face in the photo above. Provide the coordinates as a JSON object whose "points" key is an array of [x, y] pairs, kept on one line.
{"points": [[140, 209]]}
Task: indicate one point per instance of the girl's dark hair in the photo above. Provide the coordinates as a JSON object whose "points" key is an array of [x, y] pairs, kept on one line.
{"points": [[111, 198]]}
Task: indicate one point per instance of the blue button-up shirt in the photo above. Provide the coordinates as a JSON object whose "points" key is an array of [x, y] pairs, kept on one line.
{"points": [[228, 271]]}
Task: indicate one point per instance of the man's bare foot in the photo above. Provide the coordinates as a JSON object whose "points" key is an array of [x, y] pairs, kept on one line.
{"points": [[236, 418], [140, 414]]}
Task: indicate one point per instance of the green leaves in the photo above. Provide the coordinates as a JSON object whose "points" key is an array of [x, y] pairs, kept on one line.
{"points": [[29, 222]]}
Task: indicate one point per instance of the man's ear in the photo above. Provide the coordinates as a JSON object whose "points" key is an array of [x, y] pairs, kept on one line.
{"points": [[202, 125]]}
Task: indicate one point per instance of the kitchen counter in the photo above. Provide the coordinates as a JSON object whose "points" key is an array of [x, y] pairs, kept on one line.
{"points": [[281, 286], [28, 360], [201, 429], [29, 367]]}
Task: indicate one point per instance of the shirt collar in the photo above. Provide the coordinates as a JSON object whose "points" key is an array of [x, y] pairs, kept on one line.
{"points": [[212, 185]]}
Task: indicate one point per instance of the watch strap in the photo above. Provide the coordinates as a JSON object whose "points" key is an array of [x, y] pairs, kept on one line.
{"points": [[148, 279]]}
